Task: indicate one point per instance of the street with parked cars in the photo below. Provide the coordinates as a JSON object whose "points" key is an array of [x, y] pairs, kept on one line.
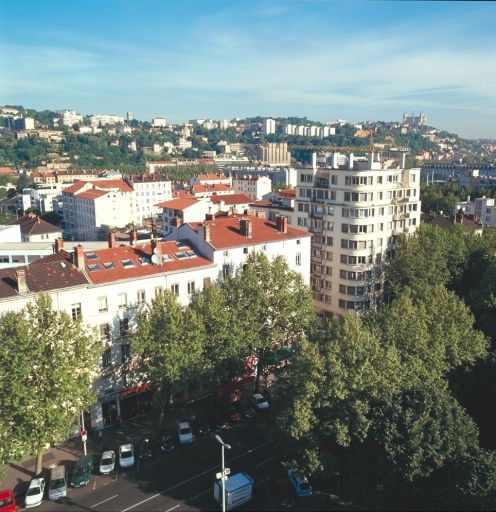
{"points": [[142, 470]]}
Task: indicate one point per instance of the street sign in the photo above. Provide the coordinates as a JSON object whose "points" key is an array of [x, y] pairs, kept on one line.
{"points": [[84, 433]]}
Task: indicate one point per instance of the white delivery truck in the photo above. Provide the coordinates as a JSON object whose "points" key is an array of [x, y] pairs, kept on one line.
{"points": [[239, 490]]}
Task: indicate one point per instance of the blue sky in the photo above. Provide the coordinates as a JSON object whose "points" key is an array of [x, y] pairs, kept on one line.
{"points": [[183, 59]]}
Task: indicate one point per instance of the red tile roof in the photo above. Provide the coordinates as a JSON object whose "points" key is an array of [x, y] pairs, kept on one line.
{"points": [[182, 193], [92, 194], [211, 176], [180, 203], [75, 187], [54, 272], [218, 187], [232, 199], [7, 171], [225, 232], [99, 184], [290, 192], [138, 268], [33, 225]]}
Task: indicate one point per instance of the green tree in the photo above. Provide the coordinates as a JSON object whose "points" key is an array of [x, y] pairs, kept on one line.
{"points": [[47, 366], [168, 341], [272, 304]]}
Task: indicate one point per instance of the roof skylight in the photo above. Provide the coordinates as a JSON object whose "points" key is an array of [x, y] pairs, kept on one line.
{"points": [[127, 263], [109, 265], [91, 256], [94, 267]]}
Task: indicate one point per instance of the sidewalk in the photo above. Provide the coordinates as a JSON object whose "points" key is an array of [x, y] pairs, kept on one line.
{"points": [[18, 475]]}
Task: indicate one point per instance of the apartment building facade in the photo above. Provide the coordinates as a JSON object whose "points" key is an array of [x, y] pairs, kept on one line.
{"points": [[355, 214], [255, 187]]}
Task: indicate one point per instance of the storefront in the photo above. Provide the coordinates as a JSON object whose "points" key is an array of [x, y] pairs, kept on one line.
{"points": [[135, 401]]}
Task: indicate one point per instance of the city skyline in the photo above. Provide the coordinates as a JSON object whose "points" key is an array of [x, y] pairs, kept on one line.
{"points": [[324, 60]]}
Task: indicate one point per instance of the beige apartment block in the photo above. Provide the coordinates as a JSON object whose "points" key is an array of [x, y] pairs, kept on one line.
{"points": [[274, 154], [356, 213]]}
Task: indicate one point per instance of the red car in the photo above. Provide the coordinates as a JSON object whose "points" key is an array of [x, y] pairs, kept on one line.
{"points": [[7, 502]]}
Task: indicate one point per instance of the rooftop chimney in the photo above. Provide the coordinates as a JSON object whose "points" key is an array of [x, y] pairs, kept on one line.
{"points": [[59, 245], [156, 251], [282, 223], [246, 228], [22, 286], [207, 233], [111, 239], [79, 257], [133, 237]]}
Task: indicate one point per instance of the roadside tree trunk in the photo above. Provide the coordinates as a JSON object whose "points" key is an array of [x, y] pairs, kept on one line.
{"points": [[39, 464]]}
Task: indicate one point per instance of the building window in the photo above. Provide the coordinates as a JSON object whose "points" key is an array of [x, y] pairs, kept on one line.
{"points": [[342, 303], [106, 358], [264, 247], [206, 282], [158, 291], [122, 300], [105, 332], [298, 259], [191, 287], [76, 311], [245, 250], [102, 305], [175, 289], [125, 352], [226, 254], [140, 298], [225, 271], [124, 326]]}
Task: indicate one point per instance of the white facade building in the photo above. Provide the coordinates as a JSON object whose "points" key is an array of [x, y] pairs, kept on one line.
{"points": [[69, 118], [106, 288], [255, 187], [269, 126], [159, 122], [149, 191], [104, 119], [355, 215], [89, 206]]}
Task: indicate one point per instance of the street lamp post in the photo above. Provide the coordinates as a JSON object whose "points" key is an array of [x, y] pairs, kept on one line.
{"points": [[224, 473]]}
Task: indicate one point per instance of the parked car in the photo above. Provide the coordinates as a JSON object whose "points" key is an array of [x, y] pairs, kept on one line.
{"points": [[7, 501], [126, 455], [167, 443], [185, 433], [58, 483], [145, 450], [107, 462], [34, 495], [300, 483], [259, 402], [82, 471]]}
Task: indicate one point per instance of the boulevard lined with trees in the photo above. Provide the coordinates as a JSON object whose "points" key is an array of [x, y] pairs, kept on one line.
{"points": [[390, 409]]}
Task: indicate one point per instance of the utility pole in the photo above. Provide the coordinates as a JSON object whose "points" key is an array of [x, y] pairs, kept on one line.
{"points": [[225, 471]]}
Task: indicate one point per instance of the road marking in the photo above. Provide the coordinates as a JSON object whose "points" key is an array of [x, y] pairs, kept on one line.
{"points": [[100, 502], [173, 508], [264, 462], [195, 477], [94, 483], [198, 495]]}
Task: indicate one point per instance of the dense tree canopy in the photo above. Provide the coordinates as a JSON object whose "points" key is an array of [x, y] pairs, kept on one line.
{"points": [[47, 365]]}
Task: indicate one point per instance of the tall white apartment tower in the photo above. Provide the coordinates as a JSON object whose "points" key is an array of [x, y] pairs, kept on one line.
{"points": [[269, 126], [356, 213]]}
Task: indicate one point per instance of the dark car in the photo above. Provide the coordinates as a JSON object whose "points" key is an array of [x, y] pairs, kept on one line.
{"points": [[82, 471], [167, 444], [145, 450]]}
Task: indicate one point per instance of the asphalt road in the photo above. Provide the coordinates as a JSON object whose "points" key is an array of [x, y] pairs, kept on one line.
{"points": [[179, 481], [184, 479]]}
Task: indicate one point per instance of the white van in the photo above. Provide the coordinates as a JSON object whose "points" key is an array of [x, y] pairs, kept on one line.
{"points": [[58, 483]]}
